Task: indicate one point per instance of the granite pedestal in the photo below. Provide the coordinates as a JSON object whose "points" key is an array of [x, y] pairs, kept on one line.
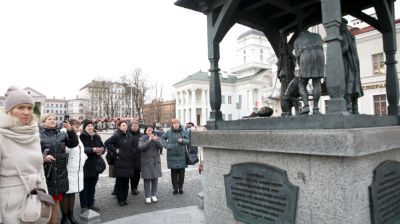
{"points": [[332, 168]]}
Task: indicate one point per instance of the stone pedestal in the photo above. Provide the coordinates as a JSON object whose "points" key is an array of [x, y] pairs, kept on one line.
{"points": [[332, 168]]}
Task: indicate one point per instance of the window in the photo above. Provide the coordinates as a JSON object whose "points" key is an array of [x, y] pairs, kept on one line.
{"points": [[380, 105], [229, 99], [229, 117], [378, 64], [223, 116], [222, 99]]}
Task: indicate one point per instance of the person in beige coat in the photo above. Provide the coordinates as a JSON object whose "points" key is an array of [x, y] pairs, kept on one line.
{"points": [[19, 138]]}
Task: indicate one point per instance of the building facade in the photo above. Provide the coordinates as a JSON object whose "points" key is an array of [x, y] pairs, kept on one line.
{"points": [[250, 85], [78, 108], [161, 112], [56, 106], [107, 99]]}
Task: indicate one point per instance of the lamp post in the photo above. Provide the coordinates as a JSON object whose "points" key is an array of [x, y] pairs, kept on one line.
{"points": [[131, 102]]}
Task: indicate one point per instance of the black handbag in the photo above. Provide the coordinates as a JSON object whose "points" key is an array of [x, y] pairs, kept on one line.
{"points": [[101, 165], [111, 157], [191, 157]]}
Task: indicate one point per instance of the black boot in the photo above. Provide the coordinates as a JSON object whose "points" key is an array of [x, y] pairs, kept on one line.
{"points": [[72, 220], [65, 220]]}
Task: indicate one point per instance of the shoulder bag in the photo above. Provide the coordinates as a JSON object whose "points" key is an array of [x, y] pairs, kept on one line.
{"points": [[36, 206]]}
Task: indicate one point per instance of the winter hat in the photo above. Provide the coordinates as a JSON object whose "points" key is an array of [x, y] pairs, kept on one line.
{"points": [[16, 96], [86, 123]]}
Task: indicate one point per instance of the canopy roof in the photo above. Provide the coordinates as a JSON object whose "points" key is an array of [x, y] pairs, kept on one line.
{"points": [[280, 15]]}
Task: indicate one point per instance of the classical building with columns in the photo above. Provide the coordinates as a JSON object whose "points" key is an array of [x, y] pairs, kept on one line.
{"points": [[250, 85]]}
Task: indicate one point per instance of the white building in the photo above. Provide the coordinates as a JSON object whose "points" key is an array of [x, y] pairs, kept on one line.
{"points": [[78, 108], [56, 106], [249, 86]]}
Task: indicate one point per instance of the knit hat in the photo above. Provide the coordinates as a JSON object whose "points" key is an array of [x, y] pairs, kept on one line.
{"points": [[86, 123], [16, 96]]}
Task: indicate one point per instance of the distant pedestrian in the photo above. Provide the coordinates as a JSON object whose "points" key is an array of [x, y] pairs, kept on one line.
{"points": [[175, 141], [94, 148], [54, 143], [19, 142], [76, 162], [122, 144], [151, 147]]}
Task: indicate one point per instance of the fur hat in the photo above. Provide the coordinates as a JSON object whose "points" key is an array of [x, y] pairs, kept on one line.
{"points": [[16, 96], [86, 123]]}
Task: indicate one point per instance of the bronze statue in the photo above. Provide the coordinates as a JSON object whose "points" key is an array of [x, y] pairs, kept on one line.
{"points": [[351, 69], [310, 57], [286, 67]]}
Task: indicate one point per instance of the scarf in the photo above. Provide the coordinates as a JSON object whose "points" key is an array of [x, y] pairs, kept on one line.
{"points": [[23, 134]]}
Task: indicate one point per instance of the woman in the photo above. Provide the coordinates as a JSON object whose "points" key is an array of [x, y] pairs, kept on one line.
{"points": [[134, 130], [150, 147], [122, 144], [53, 143], [76, 161], [94, 148], [19, 139], [175, 141]]}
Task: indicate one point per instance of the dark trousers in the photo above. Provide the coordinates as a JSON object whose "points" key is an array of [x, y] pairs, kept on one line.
{"points": [[122, 188], [135, 179], [86, 196], [177, 178]]}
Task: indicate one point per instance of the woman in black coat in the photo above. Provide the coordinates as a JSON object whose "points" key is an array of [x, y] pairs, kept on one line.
{"points": [[134, 130], [122, 144], [94, 148], [53, 143]]}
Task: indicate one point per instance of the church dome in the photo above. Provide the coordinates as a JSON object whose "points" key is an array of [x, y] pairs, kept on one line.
{"points": [[251, 32]]}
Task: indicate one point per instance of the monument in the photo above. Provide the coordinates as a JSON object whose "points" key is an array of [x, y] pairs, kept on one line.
{"points": [[331, 158]]}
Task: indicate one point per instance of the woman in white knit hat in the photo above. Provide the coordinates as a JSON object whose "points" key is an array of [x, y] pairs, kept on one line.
{"points": [[19, 141]]}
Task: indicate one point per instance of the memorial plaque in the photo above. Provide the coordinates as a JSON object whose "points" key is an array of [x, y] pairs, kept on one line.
{"points": [[384, 193], [260, 194]]}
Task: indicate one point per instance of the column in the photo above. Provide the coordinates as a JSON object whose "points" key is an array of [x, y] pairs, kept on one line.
{"points": [[187, 116], [251, 101], [331, 17], [177, 105], [193, 117], [203, 119]]}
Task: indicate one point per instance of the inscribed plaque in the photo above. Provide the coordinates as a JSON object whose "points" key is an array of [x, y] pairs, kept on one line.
{"points": [[384, 193], [260, 194]]}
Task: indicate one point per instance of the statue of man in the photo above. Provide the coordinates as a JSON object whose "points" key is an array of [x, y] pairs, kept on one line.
{"points": [[286, 69], [351, 69], [310, 58]]}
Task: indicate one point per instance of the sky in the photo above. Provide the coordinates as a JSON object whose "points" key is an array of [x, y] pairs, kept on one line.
{"points": [[57, 47]]}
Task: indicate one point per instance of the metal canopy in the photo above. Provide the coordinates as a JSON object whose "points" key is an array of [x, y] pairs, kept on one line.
{"points": [[279, 18]]}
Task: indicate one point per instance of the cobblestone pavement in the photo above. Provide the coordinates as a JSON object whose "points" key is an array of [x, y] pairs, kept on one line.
{"points": [[110, 210]]}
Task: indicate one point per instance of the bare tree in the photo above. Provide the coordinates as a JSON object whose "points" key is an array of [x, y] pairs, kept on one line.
{"points": [[136, 88]]}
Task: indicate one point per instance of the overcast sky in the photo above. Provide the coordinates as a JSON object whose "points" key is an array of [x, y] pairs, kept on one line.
{"points": [[56, 47]]}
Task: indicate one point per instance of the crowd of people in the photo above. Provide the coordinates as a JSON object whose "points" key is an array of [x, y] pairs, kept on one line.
{"points": [[66, 161]]}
